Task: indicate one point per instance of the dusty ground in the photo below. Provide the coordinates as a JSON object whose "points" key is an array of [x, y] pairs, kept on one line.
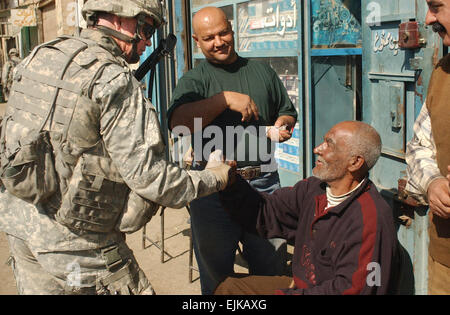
{"points": [[170, 277]]}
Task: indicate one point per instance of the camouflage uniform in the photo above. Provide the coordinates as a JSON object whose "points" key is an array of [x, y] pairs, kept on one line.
{"points": [[7, 72], [49, 257]]}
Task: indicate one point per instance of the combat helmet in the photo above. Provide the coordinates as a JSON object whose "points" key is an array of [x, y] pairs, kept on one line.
{"points": [[125, 8], [13, 52]]}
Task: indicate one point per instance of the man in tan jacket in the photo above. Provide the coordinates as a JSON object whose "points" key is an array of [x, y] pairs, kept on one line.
{"points": [[428, 156]]}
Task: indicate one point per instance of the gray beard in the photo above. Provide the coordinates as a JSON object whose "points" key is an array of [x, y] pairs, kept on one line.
{"points": [[328, 174]]}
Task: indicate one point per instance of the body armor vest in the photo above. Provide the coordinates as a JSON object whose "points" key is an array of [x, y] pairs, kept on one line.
{"points": [[51, 149]]}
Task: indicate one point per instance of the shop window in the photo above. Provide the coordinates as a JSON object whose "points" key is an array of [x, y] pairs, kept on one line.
{"points": [[267, 25], [201, 3], [287, 70], [336, 24]]}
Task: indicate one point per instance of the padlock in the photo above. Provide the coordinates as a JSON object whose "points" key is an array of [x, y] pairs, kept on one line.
{"points": [[409, 36]]}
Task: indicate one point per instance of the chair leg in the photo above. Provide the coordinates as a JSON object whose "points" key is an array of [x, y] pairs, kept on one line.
{"points": [[191, 254], [162, 235], [145, 237], [191, 251]]}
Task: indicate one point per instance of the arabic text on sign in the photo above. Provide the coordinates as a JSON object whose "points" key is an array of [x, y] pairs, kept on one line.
{"points": [[276, 20], [385, 41]]}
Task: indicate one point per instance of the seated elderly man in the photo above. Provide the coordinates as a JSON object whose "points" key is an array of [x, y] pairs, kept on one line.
{"points": [[344, 234]]}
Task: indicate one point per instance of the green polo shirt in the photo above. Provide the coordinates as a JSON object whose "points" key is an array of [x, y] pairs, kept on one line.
{"points": [[244, 142]]}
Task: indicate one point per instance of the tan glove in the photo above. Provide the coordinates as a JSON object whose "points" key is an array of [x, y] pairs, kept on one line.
{"points": [[218, 168]]}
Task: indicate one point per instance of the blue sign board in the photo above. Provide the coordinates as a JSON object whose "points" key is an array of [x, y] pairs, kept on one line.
{"points": [[335, 23]]}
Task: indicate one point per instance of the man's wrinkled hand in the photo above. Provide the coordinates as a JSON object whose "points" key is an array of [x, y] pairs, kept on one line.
{"points": [[439, 197]]}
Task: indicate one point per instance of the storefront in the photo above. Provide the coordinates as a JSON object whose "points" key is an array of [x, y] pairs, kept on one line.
{"points": [[339, 60], [320, 40], [269, 31]]}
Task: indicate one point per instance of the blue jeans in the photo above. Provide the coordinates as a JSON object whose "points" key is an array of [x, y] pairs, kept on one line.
{"points": [[216, 238]]}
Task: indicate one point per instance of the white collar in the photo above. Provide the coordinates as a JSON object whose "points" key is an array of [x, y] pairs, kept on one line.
{"points": [[333, 201]]}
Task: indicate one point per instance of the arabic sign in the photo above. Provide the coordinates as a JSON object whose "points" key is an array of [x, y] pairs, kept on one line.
{"points": [[334, 23], [23, 17], [268, 25], [383, 40]]}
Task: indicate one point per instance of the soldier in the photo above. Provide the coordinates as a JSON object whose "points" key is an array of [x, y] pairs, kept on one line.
{"points": [[7, 72], [81, 148]]}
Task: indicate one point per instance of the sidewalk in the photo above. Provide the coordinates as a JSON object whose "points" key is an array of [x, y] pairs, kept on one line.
{"points": [[170, 277]]}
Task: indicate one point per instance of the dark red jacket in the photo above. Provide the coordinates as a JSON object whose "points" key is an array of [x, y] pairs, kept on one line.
{"points": [[348, 249]]}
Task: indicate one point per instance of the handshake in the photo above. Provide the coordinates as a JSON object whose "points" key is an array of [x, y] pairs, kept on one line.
{"points": [[224, 171]]}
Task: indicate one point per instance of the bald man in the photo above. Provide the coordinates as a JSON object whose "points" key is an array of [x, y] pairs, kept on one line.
{"points": [[345, 240], [225, 92]]}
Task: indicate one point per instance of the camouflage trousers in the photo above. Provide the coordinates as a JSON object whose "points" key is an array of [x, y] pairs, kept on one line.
{"points": [[111, 270]]}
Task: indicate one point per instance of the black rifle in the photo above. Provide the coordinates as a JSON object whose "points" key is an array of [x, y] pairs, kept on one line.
{"points": [[165, 47]]}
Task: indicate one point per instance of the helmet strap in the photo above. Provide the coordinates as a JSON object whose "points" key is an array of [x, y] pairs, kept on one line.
{"points": [[110, 32], [134, 58], [128, 39]]}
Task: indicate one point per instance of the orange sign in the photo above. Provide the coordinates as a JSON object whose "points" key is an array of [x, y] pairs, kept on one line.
{"points": [[23, 17]]}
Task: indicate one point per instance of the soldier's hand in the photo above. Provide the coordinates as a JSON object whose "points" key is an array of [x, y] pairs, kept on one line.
{"points": [[219, 169], [243, 104], [439, 197]]}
